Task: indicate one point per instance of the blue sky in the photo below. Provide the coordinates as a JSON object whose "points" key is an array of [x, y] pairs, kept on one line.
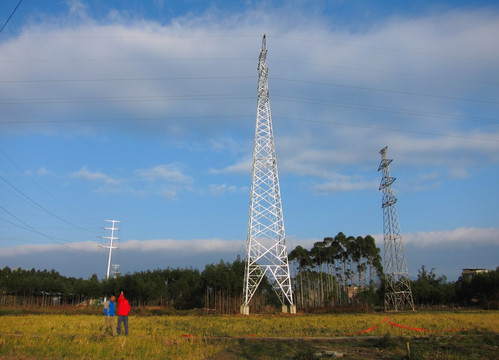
{"points": [[144, 112]]}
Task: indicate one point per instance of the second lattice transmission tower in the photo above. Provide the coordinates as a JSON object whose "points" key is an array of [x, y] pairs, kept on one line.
{"points": [[266, 253], [398, 294]]}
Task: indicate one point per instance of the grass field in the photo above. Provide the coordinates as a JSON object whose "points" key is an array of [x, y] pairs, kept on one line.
{"points": [[414, 335]]}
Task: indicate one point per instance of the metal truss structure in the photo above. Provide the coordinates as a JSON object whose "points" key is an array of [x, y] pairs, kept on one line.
{"points": [[398, 294], [111, 247], [266, 253]]}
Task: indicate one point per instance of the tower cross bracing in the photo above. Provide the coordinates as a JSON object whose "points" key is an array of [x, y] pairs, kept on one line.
{"points": [[398, 294], [266, 253]]}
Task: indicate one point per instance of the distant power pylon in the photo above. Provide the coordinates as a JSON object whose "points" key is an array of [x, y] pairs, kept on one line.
{"points": [[111, 246], [398, 294], [266, 253]]}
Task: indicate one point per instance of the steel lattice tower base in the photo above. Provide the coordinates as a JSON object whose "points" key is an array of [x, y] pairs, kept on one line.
{"points": [[398, 294], [266, 253]]}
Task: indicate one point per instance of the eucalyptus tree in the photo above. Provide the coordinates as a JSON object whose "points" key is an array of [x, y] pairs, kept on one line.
{"points": [[331, 254], [303, 259], [338, 250], [361, 259], [350, 256], [373, 259], [318, 254]]}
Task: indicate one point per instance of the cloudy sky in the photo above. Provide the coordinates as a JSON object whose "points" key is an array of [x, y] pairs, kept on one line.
{"points": [[144, 112]]}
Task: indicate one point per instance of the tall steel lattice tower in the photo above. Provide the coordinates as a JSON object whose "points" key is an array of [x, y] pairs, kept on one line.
{"points": [[266, 253], [398, 293]]}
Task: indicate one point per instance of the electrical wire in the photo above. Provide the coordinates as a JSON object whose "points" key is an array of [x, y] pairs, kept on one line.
{"points": [[396, 73], [173, 78], [392, 50], [34, 230], [16, 225], [12, 14], [384, 109], [205, 96], [41, 187], [111, 99], [277, 97], [41, 207], [388, 129], [402, 92], [160, 118]]}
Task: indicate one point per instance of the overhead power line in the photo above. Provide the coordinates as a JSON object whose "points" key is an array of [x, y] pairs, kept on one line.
{"points": [[278, 117], [358, 106], [39, 185], [32, 229], [160, 118], [43, 101], [12, 14], [386, 109], [392, 50], [388, 129], [130, 79], [84, 60], [403, 92], [40, 206], [216, 97], [389, 72]]}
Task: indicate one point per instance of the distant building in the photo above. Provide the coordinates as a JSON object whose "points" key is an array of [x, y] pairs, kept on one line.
{"points": [[468, 274]]}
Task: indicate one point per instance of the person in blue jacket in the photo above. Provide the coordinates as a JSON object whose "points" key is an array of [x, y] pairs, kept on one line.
{"points": [[109, 309]]}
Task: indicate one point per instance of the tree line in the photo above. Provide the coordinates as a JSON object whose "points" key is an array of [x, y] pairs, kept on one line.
{"points": [[334, 271], [338, 271], [218, 288]]}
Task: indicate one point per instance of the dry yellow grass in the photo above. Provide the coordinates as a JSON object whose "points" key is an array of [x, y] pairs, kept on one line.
{"points": [[199, 337]]}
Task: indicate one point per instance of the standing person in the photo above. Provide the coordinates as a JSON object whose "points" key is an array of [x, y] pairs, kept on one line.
{"points": [[109, 309], [123, 310]]}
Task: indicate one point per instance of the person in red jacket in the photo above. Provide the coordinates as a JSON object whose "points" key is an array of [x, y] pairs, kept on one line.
{"points": [[123, 311]]}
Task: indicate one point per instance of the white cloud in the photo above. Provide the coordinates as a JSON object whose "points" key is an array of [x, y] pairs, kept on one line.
{"points": [[338, 95], [82, 247], [194, 246], [141, 255], [221, 189], [243, 166], [86, 174], [78, 8], [292, 242], [466, 237], [403, 58], [170, 194], [169, 173], [42, 170], [343, 186], [462, 237], [167, 180]]}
